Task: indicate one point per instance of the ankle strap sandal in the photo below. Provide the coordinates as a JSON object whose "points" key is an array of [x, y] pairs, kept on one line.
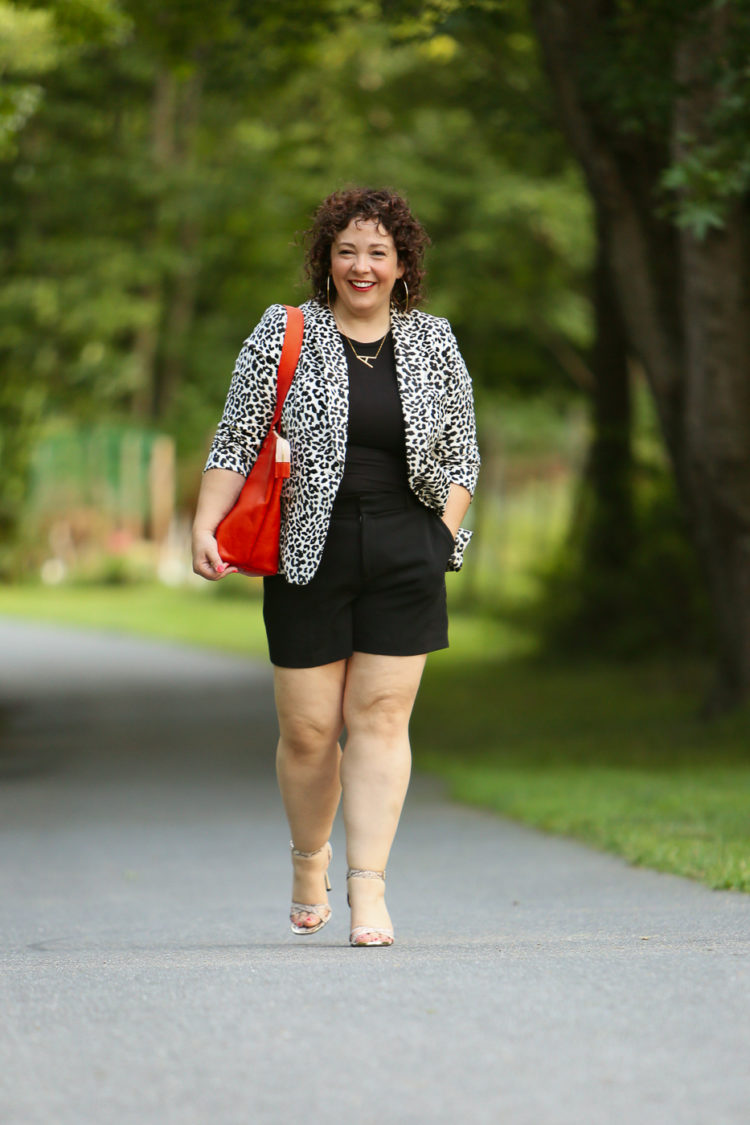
{"points": [[368, 935], [319, 910]]}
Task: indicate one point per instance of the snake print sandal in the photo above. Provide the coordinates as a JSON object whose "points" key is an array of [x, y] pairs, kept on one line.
{"points": [[377, 934], [319, 910]]}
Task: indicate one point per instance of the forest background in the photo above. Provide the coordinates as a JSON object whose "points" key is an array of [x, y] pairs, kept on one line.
{"points": [[582, 169]]}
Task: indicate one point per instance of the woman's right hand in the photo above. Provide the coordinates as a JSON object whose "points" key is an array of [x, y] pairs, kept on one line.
{"points": [[207, 561]]}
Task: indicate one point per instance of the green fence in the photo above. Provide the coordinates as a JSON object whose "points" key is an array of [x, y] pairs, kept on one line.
{"points": [[124, 475]]}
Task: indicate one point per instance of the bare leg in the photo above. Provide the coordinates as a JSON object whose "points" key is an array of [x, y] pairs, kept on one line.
{"points": [[309, 707], [375, 769]]}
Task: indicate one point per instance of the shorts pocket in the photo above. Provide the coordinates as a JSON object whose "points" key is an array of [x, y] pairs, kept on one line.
{"points": [[445, 530]]}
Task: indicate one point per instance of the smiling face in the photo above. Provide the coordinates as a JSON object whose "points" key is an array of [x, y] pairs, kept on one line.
{"points": [[364, 269]]}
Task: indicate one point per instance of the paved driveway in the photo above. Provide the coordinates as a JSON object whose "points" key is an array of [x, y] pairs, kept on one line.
{"points": [[149, 975]]}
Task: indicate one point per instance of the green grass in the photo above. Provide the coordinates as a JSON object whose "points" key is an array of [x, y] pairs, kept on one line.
{"points": [[226, 619], [225, 615], [613, 755]]}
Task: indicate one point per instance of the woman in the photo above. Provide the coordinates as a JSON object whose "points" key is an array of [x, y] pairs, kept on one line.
{"points": [[380, 421]]}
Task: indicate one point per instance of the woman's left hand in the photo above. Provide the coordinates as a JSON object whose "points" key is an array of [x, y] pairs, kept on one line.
{"points": [[456, 507]]}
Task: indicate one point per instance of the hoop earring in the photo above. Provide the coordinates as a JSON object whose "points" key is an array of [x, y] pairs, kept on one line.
{"points": [[406, 295], [328, 292]]}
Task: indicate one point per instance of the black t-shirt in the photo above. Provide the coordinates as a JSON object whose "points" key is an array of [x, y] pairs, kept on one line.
{"points": [[376, 447]]}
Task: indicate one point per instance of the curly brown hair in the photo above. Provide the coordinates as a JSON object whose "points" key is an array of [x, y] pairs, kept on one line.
{"points": [[385, 207]]}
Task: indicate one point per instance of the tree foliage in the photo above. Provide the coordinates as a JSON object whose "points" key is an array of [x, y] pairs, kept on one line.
{"points": [[152, 190], [155, 162], [654, 100]]}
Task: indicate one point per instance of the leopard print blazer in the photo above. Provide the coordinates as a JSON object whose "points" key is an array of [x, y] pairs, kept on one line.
{"points": [[437, 405]]}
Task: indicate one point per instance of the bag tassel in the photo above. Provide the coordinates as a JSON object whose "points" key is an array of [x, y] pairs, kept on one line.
{"points": [[283, 457]]}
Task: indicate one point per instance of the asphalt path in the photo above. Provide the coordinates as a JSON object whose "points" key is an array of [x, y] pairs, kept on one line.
{"points": [[149, 974]]}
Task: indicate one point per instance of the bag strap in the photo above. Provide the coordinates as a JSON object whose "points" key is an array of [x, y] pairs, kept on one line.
{"points": [[290, 352]]}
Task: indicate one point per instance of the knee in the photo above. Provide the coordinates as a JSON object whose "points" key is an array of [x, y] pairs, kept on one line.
{"points": [[308, 737], [383, 714]]}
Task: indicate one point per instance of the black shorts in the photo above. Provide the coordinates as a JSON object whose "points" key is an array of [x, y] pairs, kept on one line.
{"points": [[380, 587]]}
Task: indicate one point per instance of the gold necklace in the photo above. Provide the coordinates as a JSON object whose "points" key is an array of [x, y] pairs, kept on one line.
{"points": [[368, 360]]}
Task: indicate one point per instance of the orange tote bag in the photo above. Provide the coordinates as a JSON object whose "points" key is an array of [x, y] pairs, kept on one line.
{"points": [[248, 536]]}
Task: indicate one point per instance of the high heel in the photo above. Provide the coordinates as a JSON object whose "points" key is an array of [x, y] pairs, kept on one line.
{"points": [[382, 936], [321, 910]]}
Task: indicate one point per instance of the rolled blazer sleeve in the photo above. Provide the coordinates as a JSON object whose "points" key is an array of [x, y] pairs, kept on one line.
{"points": [[251, 399], [457, 449]]}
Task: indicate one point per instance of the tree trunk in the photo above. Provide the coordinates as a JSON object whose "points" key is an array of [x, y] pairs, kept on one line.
{"points": [[610, 531], [160, 345], [146, 344], [716, 316], [684, 305], [717, 439], [181, 292]]}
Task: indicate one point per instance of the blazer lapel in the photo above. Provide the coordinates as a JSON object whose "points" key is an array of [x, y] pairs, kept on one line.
{"points": [[409, 366], [324, 336], [323, 339]]}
